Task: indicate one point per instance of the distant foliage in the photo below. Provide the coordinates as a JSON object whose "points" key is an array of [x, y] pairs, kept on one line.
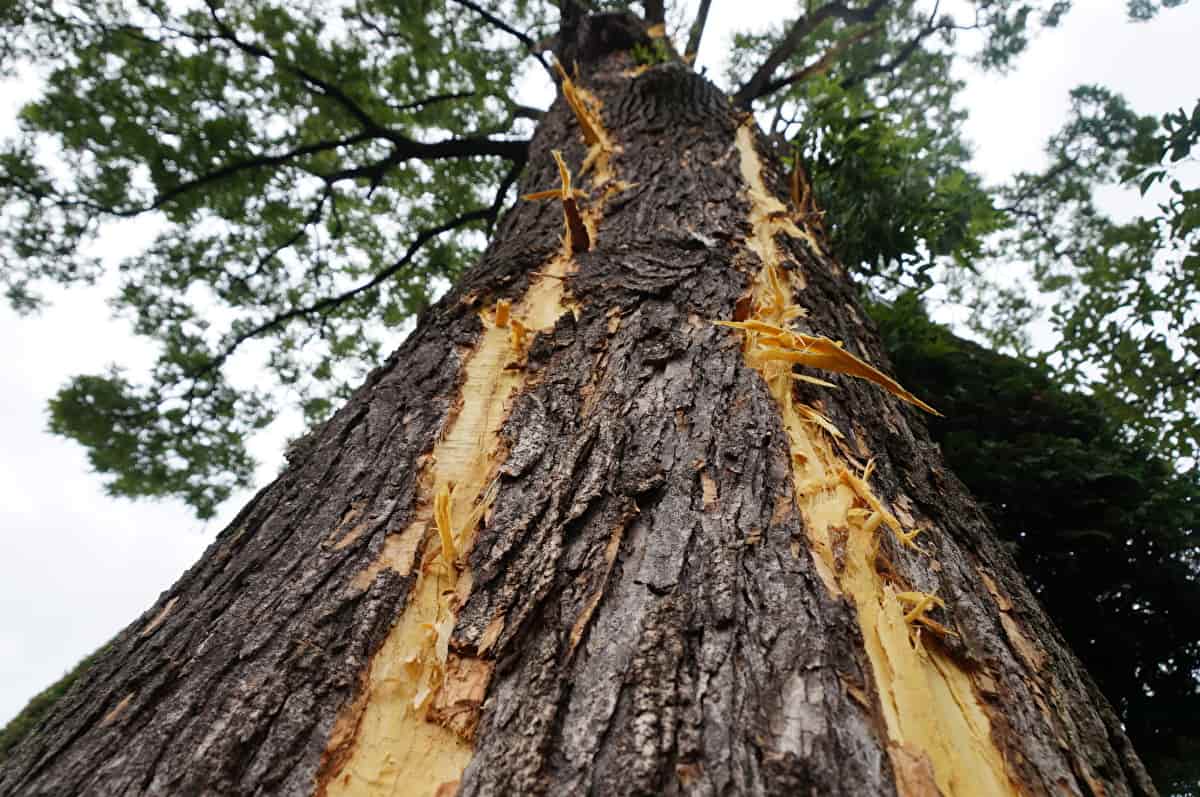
{"points": [[1125, 293]]}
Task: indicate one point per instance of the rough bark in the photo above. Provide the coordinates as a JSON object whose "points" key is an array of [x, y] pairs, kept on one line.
{"points": [[643, 589]]}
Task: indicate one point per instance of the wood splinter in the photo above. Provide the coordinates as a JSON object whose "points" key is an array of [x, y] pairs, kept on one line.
{"points": [[583, 105], [774, 342], [502, 310], [577, 236], [922, 602]]}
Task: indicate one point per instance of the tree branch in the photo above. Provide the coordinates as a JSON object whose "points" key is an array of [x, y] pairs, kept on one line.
{"points": [[525, 39], [502, 191], [247, 164], [822, 64], [697, 32], [432, 100], [281, 319], [528, 112], [316, 84], [312, 218], [883, 68], [514, 150], [801, 29]]}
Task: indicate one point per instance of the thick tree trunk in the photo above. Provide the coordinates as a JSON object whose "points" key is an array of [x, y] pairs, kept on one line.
{"points": [[575, 537]]}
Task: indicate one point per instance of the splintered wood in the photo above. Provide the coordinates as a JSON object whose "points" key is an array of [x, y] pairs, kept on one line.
{"points": [[576, 235], [410, 732], [938, 732], [586, 108], [771, 342], [579, 232]]}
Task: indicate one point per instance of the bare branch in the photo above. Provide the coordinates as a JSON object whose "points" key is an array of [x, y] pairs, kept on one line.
{"points": [[532, 46], [697, 32], [281, 319], [801, 29]]}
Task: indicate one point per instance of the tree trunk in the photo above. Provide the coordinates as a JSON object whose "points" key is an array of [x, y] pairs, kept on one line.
{"points": [[575, 537]]}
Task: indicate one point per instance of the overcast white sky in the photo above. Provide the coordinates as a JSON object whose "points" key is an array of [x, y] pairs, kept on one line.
{"points": [[77, 566]]}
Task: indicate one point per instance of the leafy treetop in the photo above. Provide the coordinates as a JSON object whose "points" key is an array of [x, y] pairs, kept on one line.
{"points": [[309, 176]]}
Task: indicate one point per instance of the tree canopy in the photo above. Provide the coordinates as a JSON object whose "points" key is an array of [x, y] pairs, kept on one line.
{"points": [[315, 173]]}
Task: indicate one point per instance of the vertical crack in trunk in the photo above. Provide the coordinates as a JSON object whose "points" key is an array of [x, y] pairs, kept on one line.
{"points": [[411, 729], [939, 733]]}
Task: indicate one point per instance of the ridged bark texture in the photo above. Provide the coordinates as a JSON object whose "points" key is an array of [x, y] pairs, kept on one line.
{"points": [[654, 613]]}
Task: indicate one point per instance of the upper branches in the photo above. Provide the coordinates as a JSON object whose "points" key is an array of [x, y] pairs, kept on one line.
{"points": [[1124, 292], [760, 83], [307, 181], [533, 47]]}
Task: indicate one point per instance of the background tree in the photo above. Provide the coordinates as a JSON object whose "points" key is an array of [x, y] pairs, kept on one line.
{"points": [[830, 69]]}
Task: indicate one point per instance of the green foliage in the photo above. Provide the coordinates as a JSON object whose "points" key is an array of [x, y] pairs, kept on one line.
{"points": [[133, 435], [1142, 10], [1125, 292], [893, 184], [36, 709], [874, 122], [311, 178], [1105, 530], [291, 163], [658, 52]]}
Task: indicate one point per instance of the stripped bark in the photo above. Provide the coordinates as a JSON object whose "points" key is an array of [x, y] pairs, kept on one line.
{"points": [[646, 605]]}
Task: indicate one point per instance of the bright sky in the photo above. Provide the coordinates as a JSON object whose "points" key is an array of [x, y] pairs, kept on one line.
{"points": [[77, 566]]}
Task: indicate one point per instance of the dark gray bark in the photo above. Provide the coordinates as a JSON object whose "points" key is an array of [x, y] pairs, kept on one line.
{"points": [[714, 660]]}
